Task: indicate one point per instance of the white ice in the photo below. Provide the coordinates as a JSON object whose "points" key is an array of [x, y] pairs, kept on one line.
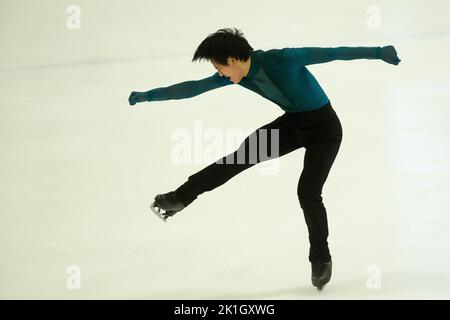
{"points": [[79, 167]]}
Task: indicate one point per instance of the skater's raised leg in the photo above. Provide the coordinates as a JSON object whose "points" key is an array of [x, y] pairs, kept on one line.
{"points": [[227, 167]]}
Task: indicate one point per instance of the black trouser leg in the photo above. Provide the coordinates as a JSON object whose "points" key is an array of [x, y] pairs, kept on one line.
{"points": [[318, 160], [250, 152], [320, 132]]}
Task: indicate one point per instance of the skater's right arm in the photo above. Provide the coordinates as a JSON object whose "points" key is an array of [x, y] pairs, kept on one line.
{"points": [[180, 90]]}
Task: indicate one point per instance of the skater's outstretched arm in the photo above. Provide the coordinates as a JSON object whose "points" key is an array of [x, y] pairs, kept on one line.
{"points": [[313, 55], [180, 90]]}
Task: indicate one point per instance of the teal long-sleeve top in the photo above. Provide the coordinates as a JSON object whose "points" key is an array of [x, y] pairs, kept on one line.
{"points": [[279, 75]]}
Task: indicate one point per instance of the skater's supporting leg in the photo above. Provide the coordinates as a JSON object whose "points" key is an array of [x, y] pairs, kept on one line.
{"points": [[217, 174], [318, 160]]}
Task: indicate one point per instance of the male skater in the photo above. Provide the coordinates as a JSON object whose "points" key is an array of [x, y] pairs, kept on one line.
{"points": [[309, 121]]}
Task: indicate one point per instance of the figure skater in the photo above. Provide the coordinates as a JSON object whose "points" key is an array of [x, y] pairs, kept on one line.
{"points": [[309, 121]]}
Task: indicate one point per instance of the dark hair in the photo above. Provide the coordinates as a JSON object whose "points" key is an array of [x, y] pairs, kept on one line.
{"points": [[221, 45]]}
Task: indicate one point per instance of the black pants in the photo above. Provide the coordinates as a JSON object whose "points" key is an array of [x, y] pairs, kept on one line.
{"points": [[319, 132]]}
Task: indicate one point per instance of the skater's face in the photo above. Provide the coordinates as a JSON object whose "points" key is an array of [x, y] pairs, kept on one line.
{"points": [[235, 70]]}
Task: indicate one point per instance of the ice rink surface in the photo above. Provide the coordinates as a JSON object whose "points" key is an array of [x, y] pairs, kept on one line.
{"points": [[79, 167]]}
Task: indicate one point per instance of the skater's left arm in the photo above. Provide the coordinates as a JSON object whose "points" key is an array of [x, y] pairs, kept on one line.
{"points": [[314, 55]]}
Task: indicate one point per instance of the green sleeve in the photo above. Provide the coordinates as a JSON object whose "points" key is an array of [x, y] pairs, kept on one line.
{"points": [[314, 55], [187, 89]]}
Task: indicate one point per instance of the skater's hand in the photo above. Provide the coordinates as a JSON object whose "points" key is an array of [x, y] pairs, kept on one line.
{"points": [[389, 54], [136, 97]]}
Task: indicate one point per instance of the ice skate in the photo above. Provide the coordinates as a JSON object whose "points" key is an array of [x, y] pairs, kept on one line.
{"points": [[320, 273], [166, 205]]}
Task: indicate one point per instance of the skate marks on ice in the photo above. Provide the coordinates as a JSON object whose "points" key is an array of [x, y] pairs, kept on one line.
{"points": [[253, 268]]}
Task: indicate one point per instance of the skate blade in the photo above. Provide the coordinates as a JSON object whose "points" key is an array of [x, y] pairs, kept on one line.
{"points": [[158, 211], [320, 288]]}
